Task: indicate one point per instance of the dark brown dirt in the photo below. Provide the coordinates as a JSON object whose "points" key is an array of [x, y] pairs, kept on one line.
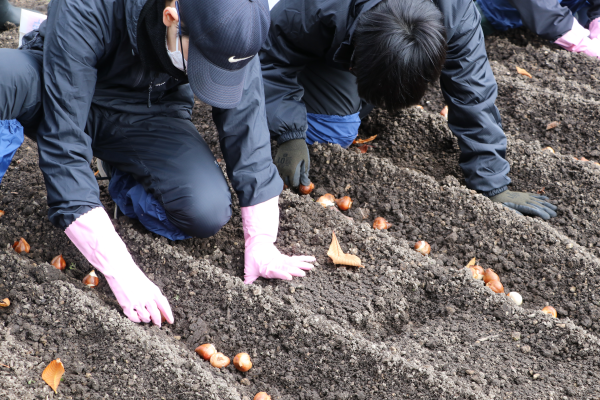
{"points": [[406, 326]]}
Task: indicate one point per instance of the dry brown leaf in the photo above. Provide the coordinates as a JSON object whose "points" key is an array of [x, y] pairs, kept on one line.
{"points": [[552, 125], [53, 372], [1, 213], [471, 263], [521, 71], [338, 256], [367, 140], [542, 191], [5, 303]]}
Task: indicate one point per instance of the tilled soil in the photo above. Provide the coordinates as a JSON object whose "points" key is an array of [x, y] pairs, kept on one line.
{"points": [[405, 326]]}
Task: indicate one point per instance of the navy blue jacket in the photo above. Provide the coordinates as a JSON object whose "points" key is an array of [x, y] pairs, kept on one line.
{"points": [[90, 59], [306, 30], [548, 19]]}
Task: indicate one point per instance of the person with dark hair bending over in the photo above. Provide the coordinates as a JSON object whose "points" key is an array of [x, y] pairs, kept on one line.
{"points": [[562, 22], [326, 63]]}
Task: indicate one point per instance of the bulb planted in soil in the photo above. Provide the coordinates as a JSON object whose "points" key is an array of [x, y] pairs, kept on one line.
{"points": [[444, 112], [380, 223], [21, 246], [206, 351], [496, 286], [344, 203], [5, 303], [262, 396], [219, 360], [516, 298], [489, 275], [550, 311], [423, 247], [477, 271], [327, 200], [306, 189], [242, 362], [59, 262], [91, 279]]}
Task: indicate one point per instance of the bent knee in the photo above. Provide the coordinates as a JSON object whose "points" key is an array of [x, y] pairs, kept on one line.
{"points": [[21, 83], [201, 217]]}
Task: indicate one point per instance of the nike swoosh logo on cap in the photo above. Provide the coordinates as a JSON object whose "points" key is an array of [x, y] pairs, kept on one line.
{"points": [[232, 59]]}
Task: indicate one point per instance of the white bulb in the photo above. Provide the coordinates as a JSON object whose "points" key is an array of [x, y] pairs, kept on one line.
{"points": [[516, 298]]}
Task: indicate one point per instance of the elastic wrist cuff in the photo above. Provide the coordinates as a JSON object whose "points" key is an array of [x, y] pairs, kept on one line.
{"points": [[495, 192], [290, 135]]}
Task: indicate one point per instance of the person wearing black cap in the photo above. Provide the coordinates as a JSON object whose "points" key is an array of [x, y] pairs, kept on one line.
{"points": [[326, 63], [108, 78]]}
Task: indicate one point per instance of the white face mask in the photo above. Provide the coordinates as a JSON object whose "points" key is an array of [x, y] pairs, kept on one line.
{"points": [[176, 56]]}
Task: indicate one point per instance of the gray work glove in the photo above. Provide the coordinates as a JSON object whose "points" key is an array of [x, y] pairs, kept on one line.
{"points": [[526, 203], [293, 162]]}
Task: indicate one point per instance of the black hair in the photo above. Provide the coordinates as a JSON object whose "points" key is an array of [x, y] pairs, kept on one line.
{"points": [[399, 48]]}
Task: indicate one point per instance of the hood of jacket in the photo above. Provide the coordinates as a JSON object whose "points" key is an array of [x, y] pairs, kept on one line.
{"points": [[133, 9], [344, 52]]}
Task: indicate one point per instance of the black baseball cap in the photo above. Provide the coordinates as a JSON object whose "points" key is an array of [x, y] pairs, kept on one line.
{"points": [[225, 35]]}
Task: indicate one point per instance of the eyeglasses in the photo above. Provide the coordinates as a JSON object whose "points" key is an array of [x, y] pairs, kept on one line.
{"points": [[180, 33]]}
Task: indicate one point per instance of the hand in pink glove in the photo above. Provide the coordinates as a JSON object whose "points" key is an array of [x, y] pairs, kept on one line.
{"points": [[595, 29], [578, 40], [96, 238], [262, 258]]}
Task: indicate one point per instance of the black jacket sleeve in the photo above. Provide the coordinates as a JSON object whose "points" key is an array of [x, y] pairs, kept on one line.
{"points": [[547, 19], [76, 33], [470, 90], [295, 39], [245, 143], [594, 9]]}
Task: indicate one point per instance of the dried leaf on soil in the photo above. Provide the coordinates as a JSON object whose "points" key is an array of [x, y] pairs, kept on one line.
{"points": [[542, 191], [552, 125], [339, 257], [367, 140], [521, 71], [5, 303], [472, 262], [53, 372], [1, 213]]}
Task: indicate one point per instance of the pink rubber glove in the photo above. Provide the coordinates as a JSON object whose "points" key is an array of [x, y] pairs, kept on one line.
{"points": [[96, 238], [262, 258], [595, 28], [578, 40]]}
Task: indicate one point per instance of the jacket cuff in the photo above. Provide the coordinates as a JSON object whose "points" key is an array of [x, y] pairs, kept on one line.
{"points": [[291, 135], [495, 192]]}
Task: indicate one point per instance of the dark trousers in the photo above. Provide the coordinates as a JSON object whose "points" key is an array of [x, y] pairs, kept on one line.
{"points": [[166, 155]]}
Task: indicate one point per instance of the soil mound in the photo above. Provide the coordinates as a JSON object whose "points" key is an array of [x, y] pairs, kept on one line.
{"points": [[406, 326]]}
